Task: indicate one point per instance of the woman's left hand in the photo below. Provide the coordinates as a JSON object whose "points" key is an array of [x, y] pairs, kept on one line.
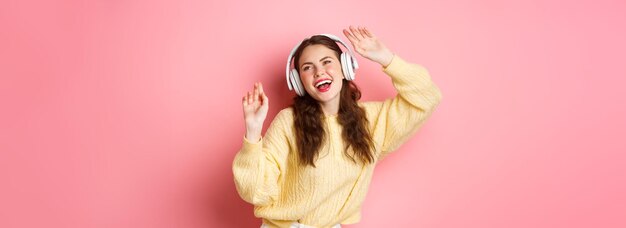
{"points": [[368, 46]]}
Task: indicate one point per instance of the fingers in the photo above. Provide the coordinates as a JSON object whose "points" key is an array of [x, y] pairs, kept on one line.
{"points": [[357, 33], [246, 100], [264, 100], [362, 32], [254, 96], [261, 88], [367, 32], [350, 37]]}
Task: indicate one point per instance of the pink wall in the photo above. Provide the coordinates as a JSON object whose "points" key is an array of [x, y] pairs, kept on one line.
{"points": [[127, 113]]}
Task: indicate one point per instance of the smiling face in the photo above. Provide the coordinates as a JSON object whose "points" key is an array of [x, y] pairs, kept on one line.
{"points": [[320, 73]]}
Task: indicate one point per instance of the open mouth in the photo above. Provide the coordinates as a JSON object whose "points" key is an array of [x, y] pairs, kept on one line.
{"points": [[323, 85]]}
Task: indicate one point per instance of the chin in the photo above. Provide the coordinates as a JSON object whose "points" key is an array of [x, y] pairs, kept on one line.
{"points": [[326, 97]]}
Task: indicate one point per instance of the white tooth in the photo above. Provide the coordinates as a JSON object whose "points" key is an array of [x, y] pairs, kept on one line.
{"points": [[322, 82]]}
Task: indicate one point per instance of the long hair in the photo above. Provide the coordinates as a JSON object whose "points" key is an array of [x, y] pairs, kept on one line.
{"points": [[308, 117]]}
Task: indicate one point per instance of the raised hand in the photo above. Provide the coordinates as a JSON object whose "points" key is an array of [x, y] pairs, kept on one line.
{"points": [[368, 46], [255, 106]]}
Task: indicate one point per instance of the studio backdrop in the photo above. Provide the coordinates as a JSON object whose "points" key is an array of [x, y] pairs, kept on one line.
{"points": [[128, 113]]}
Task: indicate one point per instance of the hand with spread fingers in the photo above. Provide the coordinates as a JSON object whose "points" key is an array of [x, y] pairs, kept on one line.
{"points": [[255, 106], [368, 45]]}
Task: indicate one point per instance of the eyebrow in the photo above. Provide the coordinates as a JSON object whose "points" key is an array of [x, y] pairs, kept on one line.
{"points": [[322, 59]]}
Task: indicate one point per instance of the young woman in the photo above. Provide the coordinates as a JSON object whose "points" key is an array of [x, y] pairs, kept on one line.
{"points": [[314, 164]]}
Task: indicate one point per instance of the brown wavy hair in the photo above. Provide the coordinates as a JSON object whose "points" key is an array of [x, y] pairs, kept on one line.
{"points": [[308, 117]]}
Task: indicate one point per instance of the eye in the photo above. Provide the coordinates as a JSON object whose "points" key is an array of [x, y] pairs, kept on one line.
{"points": [[326, 62], [305, 68]]}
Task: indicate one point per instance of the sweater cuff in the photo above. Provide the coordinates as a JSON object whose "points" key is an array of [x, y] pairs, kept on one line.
{"points": [[251, 146], [397, 65]]}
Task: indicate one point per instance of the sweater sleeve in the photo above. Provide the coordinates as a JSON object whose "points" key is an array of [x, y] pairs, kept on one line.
{"points": [[397, 119], [257, 166]]}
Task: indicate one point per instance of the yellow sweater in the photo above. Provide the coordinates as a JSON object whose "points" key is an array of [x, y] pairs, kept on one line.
{"points": [[268, 175]]}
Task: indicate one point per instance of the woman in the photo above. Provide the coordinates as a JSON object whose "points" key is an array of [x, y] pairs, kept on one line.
{"points": [[314, 164]]}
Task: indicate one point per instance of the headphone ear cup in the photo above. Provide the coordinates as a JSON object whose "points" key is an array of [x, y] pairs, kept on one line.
{"points": [[296, 83], [346, 65]]}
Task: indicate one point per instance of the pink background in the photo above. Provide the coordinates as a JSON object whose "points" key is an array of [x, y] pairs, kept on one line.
{"points": [[127, 113]]}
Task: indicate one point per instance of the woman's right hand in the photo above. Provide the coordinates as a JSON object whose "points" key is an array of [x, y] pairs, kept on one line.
{"points": [[255, 106]]}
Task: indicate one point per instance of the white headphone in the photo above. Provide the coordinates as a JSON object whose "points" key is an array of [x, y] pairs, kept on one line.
{"points": [[348, 66]]}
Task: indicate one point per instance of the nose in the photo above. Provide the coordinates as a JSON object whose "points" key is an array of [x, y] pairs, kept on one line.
{"points": [[320, 72]]}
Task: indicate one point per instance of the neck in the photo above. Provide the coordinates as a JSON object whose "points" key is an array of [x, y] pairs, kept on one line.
{"points": [[330, 107]]}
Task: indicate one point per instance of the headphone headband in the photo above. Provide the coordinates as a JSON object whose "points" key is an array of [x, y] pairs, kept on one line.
{"points": [[355, 65]]}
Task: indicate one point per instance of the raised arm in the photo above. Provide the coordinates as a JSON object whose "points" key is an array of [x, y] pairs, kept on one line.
{"points": [[258, 166], [255, 168], [395, 120]]}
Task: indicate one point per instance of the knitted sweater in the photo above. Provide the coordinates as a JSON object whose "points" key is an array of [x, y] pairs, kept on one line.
{"points": [[268, 173]]}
